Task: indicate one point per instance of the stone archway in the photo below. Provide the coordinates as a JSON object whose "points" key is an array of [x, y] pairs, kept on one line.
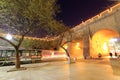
{"points": [[100, 42], [77, 49]]}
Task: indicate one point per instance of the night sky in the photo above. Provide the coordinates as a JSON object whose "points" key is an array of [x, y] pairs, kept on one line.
{"points": [[73, 12]]}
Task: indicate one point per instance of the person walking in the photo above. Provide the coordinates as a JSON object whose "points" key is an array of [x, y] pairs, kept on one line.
{"points": [[110, 54]]}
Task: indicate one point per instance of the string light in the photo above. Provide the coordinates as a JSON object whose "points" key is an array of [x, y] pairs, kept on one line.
{"points": [[9, 37]]}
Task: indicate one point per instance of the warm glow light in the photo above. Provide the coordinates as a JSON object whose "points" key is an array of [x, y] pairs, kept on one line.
{"points": [[103, 42], [65, 46], [105, 47], [53, 54], [9, 36], [62, 50], [77, 45]]}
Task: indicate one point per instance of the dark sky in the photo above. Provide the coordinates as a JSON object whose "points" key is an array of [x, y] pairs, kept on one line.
{"points": [[73, 12]]}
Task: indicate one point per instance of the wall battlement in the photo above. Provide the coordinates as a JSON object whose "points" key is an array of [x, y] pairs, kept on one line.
{"points": [[97, 17]]}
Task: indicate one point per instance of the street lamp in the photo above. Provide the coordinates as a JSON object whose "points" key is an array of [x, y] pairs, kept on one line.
{"points": [[9, 36]]}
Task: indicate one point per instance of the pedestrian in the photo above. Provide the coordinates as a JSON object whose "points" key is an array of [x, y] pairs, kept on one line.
{"points": [[99, 55], [115, 54], [110, 54], [85, 57]]}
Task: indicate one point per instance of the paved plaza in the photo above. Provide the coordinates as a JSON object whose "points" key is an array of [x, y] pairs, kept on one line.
{"points": [[61, 70]]}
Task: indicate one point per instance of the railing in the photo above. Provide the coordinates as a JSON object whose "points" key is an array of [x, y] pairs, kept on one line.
{"points": [[8, 56]]}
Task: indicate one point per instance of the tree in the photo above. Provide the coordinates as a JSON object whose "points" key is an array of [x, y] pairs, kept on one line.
{"points": [[24, 17], [67, 35], [38, 44]]}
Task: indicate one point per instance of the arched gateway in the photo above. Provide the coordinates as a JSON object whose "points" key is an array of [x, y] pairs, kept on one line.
{"points": [[94, 35]]}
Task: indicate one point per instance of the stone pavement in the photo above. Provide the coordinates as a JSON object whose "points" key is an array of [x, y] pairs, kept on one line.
{"points": [[60, 70]]}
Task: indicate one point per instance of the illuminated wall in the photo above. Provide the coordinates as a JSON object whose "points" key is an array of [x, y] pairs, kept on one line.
{"points": [[100, 42], [77, 49], [102, 27]]}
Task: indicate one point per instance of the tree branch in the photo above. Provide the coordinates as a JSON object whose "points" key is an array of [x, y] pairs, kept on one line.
{"points": [[8, 41]]}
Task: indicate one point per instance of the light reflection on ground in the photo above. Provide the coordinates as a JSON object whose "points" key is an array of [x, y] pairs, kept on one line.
{"points": [[93, 69]]}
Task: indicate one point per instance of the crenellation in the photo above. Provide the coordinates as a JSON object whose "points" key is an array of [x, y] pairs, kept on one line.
{"points": [[106, 12], [83, 23], [97, 17], [91, 20], [117, 6], [109, 10], [88, 21]]}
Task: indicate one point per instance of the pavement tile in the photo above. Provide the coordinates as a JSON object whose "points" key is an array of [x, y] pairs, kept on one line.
{"points": [[60, 71]]}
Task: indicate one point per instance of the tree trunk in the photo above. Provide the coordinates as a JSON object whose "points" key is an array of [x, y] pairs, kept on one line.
{"points": [[68, 55], [17, 63]]}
